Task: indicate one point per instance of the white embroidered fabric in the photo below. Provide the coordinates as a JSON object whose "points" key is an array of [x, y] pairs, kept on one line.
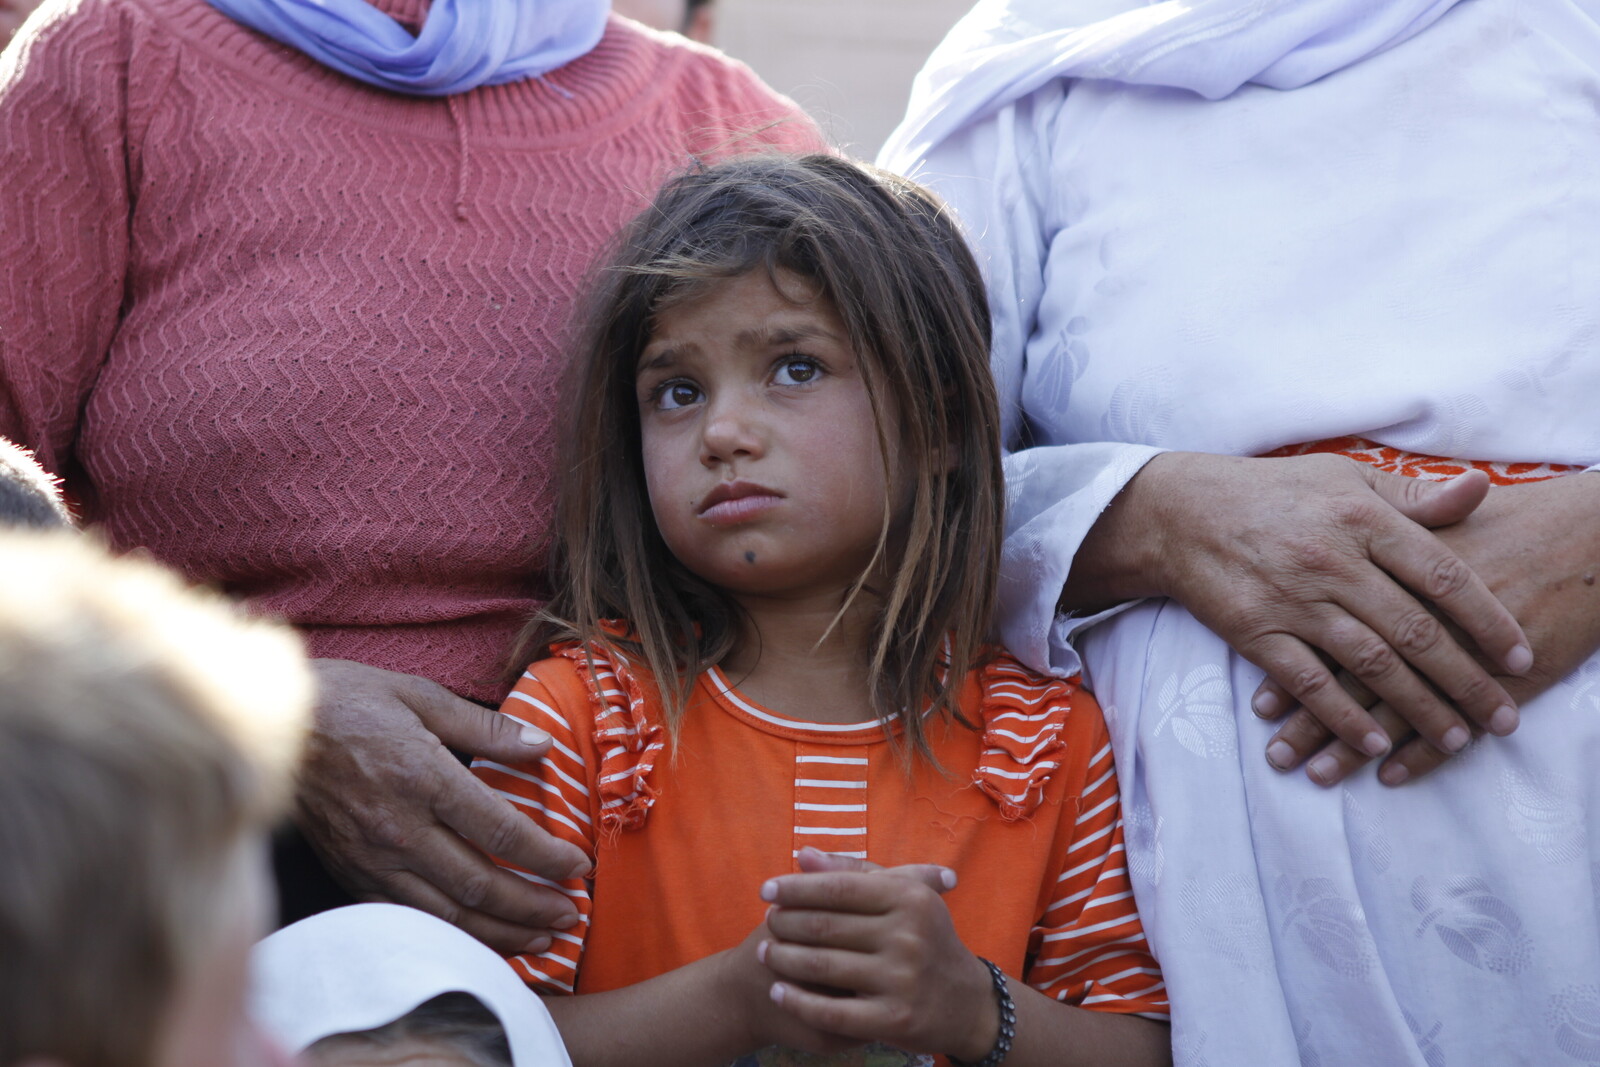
{"points": [[1382, 227]]}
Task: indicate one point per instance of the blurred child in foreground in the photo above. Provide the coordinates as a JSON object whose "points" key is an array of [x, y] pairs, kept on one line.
{"points": [[146, 739]]}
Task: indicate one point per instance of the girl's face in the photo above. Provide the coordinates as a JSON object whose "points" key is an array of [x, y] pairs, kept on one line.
{"points": [[760, 451]]}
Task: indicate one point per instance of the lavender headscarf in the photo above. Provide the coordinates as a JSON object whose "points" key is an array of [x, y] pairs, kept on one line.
{"points": [[463, 43]]}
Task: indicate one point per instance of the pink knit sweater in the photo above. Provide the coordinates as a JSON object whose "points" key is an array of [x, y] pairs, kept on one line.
{"points": [[301, 337]]}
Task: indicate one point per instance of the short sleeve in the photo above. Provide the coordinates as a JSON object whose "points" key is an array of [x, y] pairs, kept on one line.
{"points": [[556, 793], [1089, 947]]}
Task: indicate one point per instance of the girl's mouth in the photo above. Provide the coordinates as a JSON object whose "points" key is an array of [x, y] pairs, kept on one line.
{"points": [[731, 503]]}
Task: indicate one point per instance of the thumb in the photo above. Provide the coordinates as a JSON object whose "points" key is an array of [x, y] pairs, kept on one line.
{"points": [[815, 861], [1431, 503], [466, 727]]}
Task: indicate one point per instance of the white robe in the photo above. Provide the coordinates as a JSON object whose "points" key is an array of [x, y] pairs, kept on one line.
{"points": [[1232, 225]]}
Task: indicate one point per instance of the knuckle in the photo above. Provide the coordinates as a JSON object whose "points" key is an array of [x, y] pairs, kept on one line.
{"points": [[1309, 682], [472, 891], [386, 831], [505, 835], [905, 944], [815, 926], [898, 1016], [1362, 512], [1373, 658], [1446, 577], [1418, 634], [1314, 556]]}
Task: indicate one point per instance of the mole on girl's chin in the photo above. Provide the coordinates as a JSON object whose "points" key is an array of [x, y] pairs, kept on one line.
{"points": [[749, 557]]}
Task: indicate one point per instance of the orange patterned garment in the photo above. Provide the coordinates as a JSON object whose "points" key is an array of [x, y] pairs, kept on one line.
{"points": [[1432, 468], [1024, 808]]}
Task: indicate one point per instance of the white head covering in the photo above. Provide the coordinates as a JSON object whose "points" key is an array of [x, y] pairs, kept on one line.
{"points": [[364, 966], [1002, 50]]}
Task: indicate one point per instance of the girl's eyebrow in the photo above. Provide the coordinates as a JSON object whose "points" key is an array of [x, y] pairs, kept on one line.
{"points": [[759, 337], [667, 357]]}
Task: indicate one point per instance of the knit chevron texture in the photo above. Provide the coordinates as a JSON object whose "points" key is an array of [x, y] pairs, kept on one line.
{"points": [[301, 338]]}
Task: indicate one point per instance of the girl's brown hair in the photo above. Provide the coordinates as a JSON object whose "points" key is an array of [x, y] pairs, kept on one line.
{"points": [[892, 262]]}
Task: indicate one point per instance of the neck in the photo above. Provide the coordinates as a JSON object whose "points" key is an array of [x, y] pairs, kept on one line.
{"points": [[801, 659]]}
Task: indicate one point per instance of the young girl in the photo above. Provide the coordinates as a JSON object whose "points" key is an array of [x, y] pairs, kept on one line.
{"points": [[823, 816]]}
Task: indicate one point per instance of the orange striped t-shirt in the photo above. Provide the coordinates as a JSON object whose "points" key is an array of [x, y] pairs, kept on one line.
{"points": [[1026, 813]]}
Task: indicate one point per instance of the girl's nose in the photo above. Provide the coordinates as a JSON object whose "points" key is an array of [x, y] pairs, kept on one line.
{"points": [[730, 431]]}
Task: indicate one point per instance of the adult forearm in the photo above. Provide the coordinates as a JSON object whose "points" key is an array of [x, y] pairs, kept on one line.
{"points": [[1120, 557]]}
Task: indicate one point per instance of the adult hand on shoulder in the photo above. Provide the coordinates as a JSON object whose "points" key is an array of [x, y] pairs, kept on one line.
{"points": [[396, 817], [1537, 547], [1298, 562]]}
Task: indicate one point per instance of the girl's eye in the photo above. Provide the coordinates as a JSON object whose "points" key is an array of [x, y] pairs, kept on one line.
{"points": [[671, 395], [797, 371]]}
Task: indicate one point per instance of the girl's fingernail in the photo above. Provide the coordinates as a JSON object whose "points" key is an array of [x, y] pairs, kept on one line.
{"points": [[537, 945], [1266, 704], [778, 992], [566, 922], [769, 890], [1519, 659], [1281, 755], [761, 953], [1504, 720], [1456, 738], [1323, 768], [947, 878], [531, 736], [1393, 774], [1375, 743]]}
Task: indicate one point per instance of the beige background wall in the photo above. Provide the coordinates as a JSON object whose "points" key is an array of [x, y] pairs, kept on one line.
{"points": [[848, 62]]}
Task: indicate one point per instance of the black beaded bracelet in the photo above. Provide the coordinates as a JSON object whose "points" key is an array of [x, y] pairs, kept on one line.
{"points": [[1008, 1021]]}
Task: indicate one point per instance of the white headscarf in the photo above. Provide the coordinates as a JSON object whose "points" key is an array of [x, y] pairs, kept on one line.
{"points": [[361, 967], [1005, 49]]}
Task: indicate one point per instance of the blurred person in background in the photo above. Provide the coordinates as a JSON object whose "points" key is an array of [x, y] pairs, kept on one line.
{"points": [[291, 318], [12, 14], [695, 19]]}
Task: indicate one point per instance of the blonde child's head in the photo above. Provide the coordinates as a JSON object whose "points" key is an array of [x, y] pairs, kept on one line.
{"points": [[883, 259], [146, 739]]}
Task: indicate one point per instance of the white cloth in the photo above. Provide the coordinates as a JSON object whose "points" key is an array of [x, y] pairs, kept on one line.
{"points": [[1399, 250], [364, 966]]}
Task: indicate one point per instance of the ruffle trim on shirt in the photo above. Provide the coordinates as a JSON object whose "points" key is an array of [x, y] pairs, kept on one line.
{"points": [[1022, 715], [629, 739]]}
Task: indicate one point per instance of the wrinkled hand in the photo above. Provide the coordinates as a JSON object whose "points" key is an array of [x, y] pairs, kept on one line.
{"points": [[1537, 546], [1290, 560], [871, 954], [396, 817]]}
